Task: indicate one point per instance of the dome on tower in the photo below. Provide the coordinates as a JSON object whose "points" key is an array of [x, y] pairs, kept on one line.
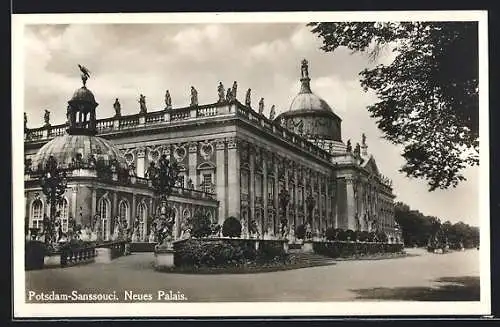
{"points": [[83, 94], [310, 115]]}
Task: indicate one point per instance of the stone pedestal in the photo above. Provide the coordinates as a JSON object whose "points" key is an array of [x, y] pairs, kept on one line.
{"points": [[103, 255], [256, 244], [285, 247], [52, 260], [164, 259], [307, 247]]}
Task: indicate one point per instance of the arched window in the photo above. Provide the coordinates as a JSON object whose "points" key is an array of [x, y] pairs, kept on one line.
{"points": [[62, 208], [104, 209], [123, 211], [37, 214], [142, 213]]}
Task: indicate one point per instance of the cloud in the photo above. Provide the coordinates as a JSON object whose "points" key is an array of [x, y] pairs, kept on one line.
{"points": [[127, 60]]}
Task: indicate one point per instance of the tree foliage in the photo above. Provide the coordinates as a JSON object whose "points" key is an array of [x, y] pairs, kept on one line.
{"points": [[428, 95], [421, 230]]}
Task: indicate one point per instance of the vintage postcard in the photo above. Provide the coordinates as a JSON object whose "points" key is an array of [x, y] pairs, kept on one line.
{"points": [[251, 164]]}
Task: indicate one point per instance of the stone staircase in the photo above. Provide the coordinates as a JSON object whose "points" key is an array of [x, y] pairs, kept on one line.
{"points": [[310, 259]]}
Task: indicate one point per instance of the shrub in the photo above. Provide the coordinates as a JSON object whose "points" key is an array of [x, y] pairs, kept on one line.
{"points": [[364, 236], [231, 227], [351, 235], [382, 237], [201, 225], [300, 231], [348, 249], [331, 233], [372, 236], [34, 252]]}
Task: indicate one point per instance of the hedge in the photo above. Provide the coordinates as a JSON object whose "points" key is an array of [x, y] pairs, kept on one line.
{"points": [[338, 249], [226, 252]]}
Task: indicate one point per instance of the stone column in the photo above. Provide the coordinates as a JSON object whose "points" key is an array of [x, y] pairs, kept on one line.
{"points": [[93, 205], [295, 198], [304, 195], [133, 212], [265, 217], [221, 179], [351, 203], [114, 212], [251, 186], [287, 187], [141, 164], [74, 204], [276, 192], [233, 178], [193, 149]]}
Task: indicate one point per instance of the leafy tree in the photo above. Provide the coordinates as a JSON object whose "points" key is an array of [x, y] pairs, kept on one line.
{"points": [[201, 224], [428, 95], [300, 231], [231, 227]]}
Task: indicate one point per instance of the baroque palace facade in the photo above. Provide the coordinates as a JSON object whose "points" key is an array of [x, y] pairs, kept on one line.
{"points": [[234, 162]]}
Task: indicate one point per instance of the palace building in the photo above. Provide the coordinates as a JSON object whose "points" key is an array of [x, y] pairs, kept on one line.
{"points": [[234, 162]]}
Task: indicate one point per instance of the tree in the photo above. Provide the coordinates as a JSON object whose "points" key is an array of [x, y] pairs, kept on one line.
{"points": [[428, 96], [201, 224], [231, 227]]}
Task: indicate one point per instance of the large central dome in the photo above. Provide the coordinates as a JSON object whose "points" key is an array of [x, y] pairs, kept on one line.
{"points": [[309, 115]]}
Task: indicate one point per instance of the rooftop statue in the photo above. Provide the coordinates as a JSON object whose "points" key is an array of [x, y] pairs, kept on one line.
{"points": [[261, 106], [85, 74], [220, 91], [348, 146], [142, 104], [168, 100], [25, 122], [194, 96], [272, 113], [363, 139], [248, 99], [118, 108], [235, 88], [229, 96], [46, 117], [357, 149]]}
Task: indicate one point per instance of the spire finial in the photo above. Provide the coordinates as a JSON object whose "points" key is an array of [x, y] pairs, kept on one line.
{"points": [[305, 80]]}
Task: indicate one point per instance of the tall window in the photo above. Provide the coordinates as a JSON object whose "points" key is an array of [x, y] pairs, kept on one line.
{"points": [[104, 209], [143, 214], [37, 214], [300, 198], [206, 183], [270, 188], [62, 208], [244, 181], [123, 211], [258, 185]]}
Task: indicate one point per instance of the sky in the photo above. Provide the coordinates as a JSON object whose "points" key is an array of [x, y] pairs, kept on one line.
{"points": [[128, 60]]}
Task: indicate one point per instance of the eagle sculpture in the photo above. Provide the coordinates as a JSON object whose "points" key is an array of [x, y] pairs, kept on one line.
{"points": [[85, 73]]}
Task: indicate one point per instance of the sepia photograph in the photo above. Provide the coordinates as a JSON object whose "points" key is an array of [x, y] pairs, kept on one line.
{"points": [[251, 164]]}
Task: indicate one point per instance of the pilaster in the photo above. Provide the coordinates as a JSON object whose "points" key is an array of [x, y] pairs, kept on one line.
{"points": [[251, 190], [220, 186], [233, 178], [141, 164], [192, 159]]}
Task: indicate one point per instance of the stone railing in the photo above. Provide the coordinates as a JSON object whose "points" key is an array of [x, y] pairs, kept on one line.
{"points": [[120, 123], [70, 257]]}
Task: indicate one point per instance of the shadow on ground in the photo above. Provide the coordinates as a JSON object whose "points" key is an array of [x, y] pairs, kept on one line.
{"points": [[464, 288]]}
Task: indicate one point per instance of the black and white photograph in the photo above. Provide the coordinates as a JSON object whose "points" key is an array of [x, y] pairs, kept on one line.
{"points": [[250, 164]]}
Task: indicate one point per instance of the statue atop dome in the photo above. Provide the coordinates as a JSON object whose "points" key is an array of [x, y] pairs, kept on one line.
{"points": [[305, 69], [85, 74]]}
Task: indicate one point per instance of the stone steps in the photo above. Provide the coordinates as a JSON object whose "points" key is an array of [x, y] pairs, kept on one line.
{"points": [[311, 258]]}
